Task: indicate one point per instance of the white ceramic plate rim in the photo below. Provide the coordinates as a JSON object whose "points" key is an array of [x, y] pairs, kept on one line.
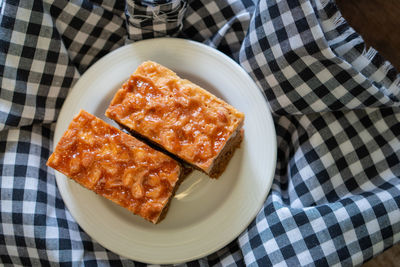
{"points": [[213, 239]]}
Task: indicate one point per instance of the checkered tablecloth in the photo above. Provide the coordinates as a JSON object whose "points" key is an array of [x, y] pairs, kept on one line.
{"points": [[336, 192]]}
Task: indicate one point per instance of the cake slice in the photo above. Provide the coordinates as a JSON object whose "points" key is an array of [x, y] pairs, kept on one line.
{"points": [[117, 166], [178, 116]]}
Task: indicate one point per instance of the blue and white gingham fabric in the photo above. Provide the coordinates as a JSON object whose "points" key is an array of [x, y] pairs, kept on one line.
{"points": [[336, 194]]}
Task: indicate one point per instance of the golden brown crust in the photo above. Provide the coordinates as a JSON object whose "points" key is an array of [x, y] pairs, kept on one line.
{"points": [[221, 162], [116, 166], [177, 115]]}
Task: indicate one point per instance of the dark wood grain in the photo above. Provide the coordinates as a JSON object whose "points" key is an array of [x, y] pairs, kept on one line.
{"points": [[389, 258], [378, 22]]}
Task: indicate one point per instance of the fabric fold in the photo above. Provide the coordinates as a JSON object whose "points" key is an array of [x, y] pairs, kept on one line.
{"points": [[151, 19]]}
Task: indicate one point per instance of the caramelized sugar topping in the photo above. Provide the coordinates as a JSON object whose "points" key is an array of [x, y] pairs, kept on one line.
{"points": [[180, 116], [116, 166]]}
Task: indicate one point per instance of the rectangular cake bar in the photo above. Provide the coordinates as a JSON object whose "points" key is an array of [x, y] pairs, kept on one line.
{"points": [[178, 116], [117, 166]]}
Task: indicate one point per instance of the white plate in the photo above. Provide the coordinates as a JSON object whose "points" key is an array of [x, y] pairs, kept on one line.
{"points": [[205, 214]]}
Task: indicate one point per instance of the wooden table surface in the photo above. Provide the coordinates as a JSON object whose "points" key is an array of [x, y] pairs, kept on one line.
{"points": [[378, 22]]}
